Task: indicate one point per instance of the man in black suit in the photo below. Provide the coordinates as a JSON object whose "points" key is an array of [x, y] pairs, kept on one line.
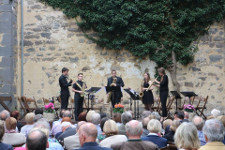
{"points": [[119, 82], [64, 85]]}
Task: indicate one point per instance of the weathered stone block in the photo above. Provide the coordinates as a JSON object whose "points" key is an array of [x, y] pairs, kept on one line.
{"points": [[215, 58], [188, 84], [46, 35], [74, 59], [27, 43]]}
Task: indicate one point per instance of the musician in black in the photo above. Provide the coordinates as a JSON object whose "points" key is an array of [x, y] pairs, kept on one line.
{"points": [[164, 90], [147, 98], [64, 85], [116, 98], [78, 87]]}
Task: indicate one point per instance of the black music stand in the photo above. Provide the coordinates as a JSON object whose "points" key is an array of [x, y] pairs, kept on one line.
{"points": [[92, 91], [176, 95], [134, 96], [112, 89], [189, 95]]}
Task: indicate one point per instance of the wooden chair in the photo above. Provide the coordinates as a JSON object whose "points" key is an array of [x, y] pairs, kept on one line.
{"points": [[201, 107], [156, 105], [30, 101], [22, 105], [45, 101], [170, 102]]}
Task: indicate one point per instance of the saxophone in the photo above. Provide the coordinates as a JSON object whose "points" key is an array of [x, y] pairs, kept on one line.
{"points": [[83, 88], [110, 93]]}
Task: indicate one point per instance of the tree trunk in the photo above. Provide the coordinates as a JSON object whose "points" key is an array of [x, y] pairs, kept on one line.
{"points": [[173, 73]]}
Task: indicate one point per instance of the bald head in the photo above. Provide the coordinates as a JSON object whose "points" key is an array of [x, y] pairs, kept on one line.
{"points": [[79, 124], [134, 128], [198, 122], [4, 115], [87, 133], [36, 140]]}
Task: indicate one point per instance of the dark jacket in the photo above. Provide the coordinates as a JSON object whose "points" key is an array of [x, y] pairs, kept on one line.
{"points": [[4, 146], [169, 136], [64, 85], [159, 141], [134, 145], [68, 132], [119, 82], [92, 146], [164, 84]]}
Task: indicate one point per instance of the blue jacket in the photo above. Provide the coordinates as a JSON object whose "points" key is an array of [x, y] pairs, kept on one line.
{"points": [[159, 141], [4, 146], [92, 146]]}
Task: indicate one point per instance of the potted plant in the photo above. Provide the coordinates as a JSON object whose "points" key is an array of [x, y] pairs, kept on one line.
{"points": [[49, 112], [118, 108]]}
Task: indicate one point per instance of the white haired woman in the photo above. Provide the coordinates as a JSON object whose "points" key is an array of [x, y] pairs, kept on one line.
{"points": [[111, 130], [154, 127], [29, 118], [186, 137]]}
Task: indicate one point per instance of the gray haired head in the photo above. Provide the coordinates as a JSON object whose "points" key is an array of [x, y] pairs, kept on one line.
{"points": [[126, 117], [67, 113], [134, 128], [145, 114], [96, 118], [198, 122], [156, 114], [4, 115], [214, 130], [42, 123]]}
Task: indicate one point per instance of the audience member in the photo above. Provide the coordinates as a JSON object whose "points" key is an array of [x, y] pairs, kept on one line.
{"points": [[145, 114], [38, 111], [73, 142], [156, 114], [111, 131], [15, 114], [199, 123], [67, 113], [186, 137], [87, 136], [4, 115], [56, 126], [214, 135], [96, 119], [102, 123], [134, 132], [145, 124], [3, 146], [186, 117], [215, 113], [29, 119], [166, 125], [44, 126], [179, 115], [154, 127], [18, 138], [117, 118], [37, 140], [170, 135], [89, 115], [67, 131], [125, 118], [82, 116]]}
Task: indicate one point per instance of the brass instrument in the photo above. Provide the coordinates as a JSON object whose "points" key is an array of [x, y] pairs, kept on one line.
{"points": [[110, 93], [141, 94], [83, 88]]}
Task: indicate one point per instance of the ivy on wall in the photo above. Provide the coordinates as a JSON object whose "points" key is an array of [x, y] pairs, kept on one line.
{"points": [[165, 30]]}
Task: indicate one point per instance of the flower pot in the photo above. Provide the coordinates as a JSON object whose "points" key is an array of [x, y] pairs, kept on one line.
{"points": [[49, 116]]}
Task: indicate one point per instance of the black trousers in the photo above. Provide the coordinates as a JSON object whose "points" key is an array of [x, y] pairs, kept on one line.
{"points": [[115, 99], [78, 105], [163, 99], [64, 100]]}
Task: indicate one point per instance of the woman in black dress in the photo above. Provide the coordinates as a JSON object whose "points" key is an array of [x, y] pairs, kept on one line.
{"points": [[163, 91], [147, 99]]}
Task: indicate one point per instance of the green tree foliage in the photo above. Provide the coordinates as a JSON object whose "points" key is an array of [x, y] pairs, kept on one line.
{"points": [[155, 28]]}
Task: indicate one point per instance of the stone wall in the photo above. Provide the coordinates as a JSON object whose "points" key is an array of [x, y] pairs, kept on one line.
{"points": [[8, 30], [52, 41]]}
